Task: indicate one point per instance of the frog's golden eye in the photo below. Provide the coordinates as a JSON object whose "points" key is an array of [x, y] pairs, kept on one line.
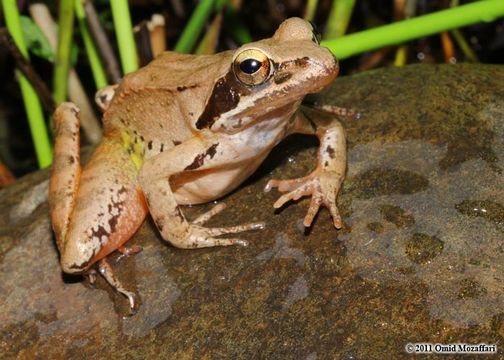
{"points": [[252, 67]]}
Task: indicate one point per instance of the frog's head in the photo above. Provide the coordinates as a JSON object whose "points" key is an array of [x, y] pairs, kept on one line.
{"points": [[268, 79]]}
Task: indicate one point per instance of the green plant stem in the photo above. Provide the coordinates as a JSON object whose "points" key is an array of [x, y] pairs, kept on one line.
{"points": [[401, 56], [99, 76], [464, 46], [124, 34], [62, 61], [208, 43], [396, 33], [219, 4], [31, 101], [193, 29], [234, 25], [339, 17], [310, 10], [461, 41]]}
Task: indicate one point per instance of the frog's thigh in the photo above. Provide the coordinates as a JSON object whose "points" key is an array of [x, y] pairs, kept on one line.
{"points": [[109, 208]]}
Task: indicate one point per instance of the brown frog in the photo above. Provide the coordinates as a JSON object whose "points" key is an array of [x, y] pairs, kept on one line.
{"points": [[188, 129]]}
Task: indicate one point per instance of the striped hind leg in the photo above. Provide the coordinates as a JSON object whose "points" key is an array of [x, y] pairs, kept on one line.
{"points": [[95, 210], [66, 169]]}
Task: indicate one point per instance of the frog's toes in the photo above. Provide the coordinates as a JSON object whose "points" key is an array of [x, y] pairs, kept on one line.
{"points": [[206, 237], [198, 241], [203, 218], [128, 251], [330, 203], [341, 111], [225, 230], [303, 189], [284, 185], [235, 229], [322, 190], [104, 96], [132, 299], [106, 271], [91, 277], [333, 210]]}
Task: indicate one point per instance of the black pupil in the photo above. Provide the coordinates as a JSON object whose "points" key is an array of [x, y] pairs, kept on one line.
{"points": [[250, 66]]}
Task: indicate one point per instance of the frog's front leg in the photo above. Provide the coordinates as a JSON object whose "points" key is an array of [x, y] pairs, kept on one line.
{"points": [[324, 183], [196, 154]]}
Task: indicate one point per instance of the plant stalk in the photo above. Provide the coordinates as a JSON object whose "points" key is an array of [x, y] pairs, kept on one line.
{"points": [[31, 101], [62, 61], [124, 34], [339, 18], [310, 10], [191, 32], [99, 75], [421, 26]]}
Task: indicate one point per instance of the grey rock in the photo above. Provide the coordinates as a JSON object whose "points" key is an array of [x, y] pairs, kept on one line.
{"points": [[420, 258]]}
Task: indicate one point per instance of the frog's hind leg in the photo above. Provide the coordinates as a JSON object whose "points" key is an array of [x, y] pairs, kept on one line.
{"points": [[66, 169], [96, 210]]}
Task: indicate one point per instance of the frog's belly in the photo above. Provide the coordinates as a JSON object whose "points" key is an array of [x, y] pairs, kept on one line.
{"points": [[251, 146], [203, 186]]}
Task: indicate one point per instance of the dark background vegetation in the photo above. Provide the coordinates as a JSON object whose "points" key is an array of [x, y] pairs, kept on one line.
{"points": [[261, 18]]}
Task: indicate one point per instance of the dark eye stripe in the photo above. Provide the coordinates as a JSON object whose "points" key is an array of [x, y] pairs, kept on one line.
{"points": [[225, 96]]}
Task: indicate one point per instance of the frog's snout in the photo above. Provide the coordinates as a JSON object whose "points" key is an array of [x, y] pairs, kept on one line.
{"points": [[335, 66], [329, 67]]}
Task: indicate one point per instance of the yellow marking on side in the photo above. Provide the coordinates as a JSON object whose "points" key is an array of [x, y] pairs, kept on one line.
{"points": [[136, 151], [126, 139], [137, 160]]}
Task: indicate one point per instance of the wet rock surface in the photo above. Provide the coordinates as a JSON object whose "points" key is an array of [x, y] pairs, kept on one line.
{"points": [[420, 258]]}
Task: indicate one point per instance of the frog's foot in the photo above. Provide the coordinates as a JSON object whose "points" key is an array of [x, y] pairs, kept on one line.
{"points": [[104, 96], [91, 276], [206, 237], [323, 186], [341, 111], [106, 271], [203, 218], [128, 251]]}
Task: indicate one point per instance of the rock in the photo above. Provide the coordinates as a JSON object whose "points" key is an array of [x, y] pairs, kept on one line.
{"points": [[420, 258]]}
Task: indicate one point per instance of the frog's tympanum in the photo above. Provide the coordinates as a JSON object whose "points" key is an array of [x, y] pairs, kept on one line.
{"points": [[188, 129]]}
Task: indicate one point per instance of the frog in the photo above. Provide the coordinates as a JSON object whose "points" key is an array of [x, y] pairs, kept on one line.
{"points": [[185, 130]]}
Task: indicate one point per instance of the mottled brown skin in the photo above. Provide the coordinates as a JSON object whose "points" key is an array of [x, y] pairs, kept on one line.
{"points": [[188, 129]]}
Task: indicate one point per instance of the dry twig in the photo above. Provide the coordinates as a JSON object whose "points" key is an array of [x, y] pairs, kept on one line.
{"points": [[106, 52], [24, 65], [90, 126]]}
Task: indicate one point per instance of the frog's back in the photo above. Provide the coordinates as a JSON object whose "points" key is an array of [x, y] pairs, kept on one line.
{"points": [[161, 101], [172, 70]]}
